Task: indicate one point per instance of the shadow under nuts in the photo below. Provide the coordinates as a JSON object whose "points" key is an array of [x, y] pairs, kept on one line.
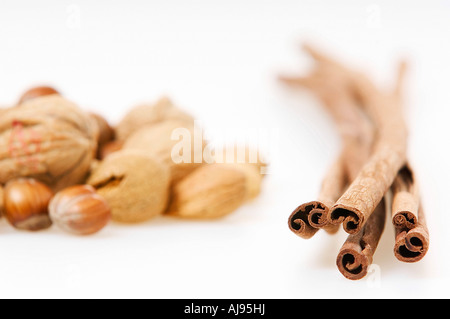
{"points": [[135, 185], [26, 204], [79, 210]]}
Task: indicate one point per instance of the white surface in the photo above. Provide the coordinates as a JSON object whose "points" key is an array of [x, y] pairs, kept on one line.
{"points": [[219, 60]]}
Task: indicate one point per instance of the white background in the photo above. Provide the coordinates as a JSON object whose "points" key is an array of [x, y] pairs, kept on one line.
{"points": [[219, 60]]}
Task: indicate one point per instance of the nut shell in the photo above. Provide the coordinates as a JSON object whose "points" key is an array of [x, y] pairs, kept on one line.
{"points": [[135, 185], [156, 140], [211, 191], [26, 204], [1, 201], [109, 148], [79, 210], [49, 139], [149, 114], [246, 160], [106, 132], [35, 92], [253, 178]]}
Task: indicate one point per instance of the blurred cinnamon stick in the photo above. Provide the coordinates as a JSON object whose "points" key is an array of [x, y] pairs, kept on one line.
{"points": [[356, 134], [385, 109], [374, 138]]}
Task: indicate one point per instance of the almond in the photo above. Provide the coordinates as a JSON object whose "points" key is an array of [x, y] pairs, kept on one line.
{"points": [[149, 114], [156, 140], [253, 178], [211, 191], [246, 160], [135, 185]]}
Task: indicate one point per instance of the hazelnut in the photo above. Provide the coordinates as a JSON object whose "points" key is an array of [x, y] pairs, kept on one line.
{"points": [[1, 201], [109, 148], [106, 132], [36, 92], [79, 210], [26, 204]]}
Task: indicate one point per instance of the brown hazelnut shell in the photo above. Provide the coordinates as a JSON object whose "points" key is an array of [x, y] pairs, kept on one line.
{"points": [[26, 204]]}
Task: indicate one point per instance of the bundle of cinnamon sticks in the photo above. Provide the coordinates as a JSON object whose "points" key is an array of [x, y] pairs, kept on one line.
{"points": [[372, 177]]}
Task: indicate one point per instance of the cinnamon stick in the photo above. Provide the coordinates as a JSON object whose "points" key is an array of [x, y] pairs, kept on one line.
{"points": [[356, 135], [385, 109], [356, 254], [309, 217], [408, 218], [379, 147]]}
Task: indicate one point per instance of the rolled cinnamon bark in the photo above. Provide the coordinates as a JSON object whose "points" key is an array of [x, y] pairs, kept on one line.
{"points": [[355, 206], [356, 133], [408, 218], [380, 149], [359, 201], [356, 254], [309, 217], [356, 130]]}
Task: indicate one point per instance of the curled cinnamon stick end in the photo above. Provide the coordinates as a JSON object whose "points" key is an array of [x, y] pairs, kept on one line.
{"points": [[353, 262], [411, 232], [411, 235], [404, 219], [300, 220], [388, 155], [411, 246], [356, 254], [351, 218], [308, 218]]}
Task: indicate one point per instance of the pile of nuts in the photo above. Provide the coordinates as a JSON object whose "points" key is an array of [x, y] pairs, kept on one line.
{"points": [[62, 165]]}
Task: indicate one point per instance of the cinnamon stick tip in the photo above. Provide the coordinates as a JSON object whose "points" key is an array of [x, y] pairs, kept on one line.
{"points": [[404, 219], [301, 222], [318, 217], [412, 246], [351, 218], [352, 263]]}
